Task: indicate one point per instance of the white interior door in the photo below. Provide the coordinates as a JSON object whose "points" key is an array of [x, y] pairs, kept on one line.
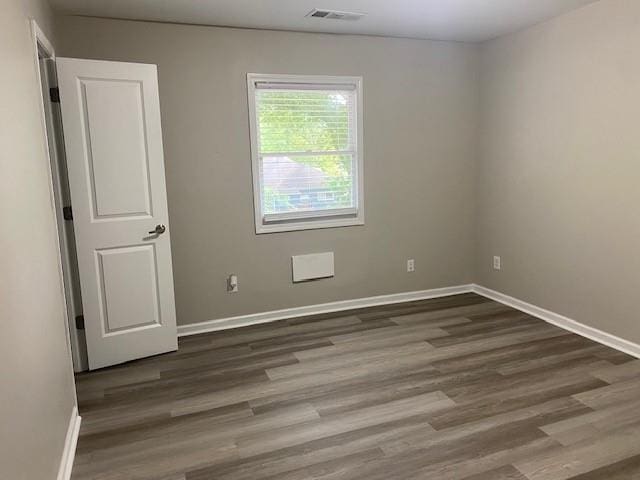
{"points": [[113, 140]]}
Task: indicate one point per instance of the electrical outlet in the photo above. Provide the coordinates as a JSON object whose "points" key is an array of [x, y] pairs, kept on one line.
{"points": [[232, 283], [411, 265], [497, 263]]}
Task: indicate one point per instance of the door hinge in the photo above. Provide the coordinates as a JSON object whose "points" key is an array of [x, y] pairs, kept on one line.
{"points": [[54, 94], [80, 322], [67, 213]]}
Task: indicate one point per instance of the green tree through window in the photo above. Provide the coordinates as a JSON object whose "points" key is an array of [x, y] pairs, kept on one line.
{"points": [[295, 123]]}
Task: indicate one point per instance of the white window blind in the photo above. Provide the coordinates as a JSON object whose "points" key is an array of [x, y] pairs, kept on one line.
{"points": [[306, 138]]}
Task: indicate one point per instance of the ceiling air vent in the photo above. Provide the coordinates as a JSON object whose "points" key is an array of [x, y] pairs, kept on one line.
{"points": [[335, 15]]}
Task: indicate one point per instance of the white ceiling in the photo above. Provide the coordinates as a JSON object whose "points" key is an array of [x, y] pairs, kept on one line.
{"points": [[462, 20]]}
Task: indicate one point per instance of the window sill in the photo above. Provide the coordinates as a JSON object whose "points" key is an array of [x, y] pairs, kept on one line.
{"points": [[306, 224]]}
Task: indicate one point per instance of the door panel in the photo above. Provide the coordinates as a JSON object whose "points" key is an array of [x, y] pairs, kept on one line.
{"points": [[119, 171], [116, 268], [113, 139]]}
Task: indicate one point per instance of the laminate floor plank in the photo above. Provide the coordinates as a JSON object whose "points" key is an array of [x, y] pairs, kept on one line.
{"points": [[314, 451], [583, 457], [331, 362], [521, 354], [435, 316], [442, 453], [489, 467], [398, 337], [508, 472], [594, 424], [618, 392], [340, 390], [340, 423], [620, 372], [454, 388], [627, 469]]}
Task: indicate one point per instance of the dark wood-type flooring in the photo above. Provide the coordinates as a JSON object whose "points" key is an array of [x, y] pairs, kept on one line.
{"points": [[452, 388]]}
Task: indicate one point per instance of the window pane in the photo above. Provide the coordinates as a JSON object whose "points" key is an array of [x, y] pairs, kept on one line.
{"points": [[305, 120], [306, 183]]}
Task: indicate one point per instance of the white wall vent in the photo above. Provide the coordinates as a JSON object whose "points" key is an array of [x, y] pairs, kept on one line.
{"points": [[311, 267], [334, 14]]}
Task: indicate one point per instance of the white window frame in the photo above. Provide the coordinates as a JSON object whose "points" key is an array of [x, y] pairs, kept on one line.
{"points": [[288, 222]]}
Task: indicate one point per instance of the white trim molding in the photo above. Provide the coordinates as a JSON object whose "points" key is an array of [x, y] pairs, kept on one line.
{"points": [[556, 319], [69, 452], [39, 38], [344, 305], [561, 321]]}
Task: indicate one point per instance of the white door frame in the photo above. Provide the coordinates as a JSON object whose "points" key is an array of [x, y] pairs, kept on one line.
{"points": [[43, 50]]}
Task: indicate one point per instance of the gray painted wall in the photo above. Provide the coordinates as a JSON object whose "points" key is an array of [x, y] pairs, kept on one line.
{"points": [[420, 121], [559, 168], [36, 383], [555, 184]]}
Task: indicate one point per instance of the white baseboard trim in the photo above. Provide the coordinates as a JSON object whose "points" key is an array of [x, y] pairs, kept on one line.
{"points": [[265, 317], [561, 321], [69, 452]]}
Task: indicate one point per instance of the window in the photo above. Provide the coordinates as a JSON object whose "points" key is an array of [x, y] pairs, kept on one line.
{"points": [[306, 147]]}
